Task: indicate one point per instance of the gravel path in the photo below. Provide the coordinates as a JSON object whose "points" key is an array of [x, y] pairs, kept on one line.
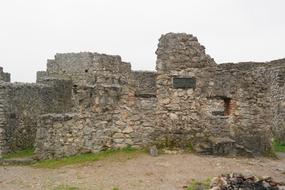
{"points": [[165, 172]]}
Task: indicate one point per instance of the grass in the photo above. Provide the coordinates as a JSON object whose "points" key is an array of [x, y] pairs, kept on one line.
{"points": [[196, 185], [65, 187], [114, 154], [278, 146], [190, 148], [19, 154]]}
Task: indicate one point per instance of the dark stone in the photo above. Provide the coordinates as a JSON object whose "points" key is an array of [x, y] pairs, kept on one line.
{"points": [[218, 113], [184, 83]]}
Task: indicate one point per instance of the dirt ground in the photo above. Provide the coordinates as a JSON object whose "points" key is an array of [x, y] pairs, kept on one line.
{"points": [[165, 172]]}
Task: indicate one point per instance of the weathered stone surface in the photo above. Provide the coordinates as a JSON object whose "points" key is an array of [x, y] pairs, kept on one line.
{"points": [[239, 181], [89, 102], [228, 111], [153, 151], [4, 77], [22, 104]]}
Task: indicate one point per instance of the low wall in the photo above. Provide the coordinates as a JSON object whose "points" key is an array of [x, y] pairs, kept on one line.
{"points": [[60, 135], [105, 116], [21, 105]]}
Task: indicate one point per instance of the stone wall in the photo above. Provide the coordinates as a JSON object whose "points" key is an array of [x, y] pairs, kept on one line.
{"points": [[107, 119], [246, 103], [190, 102], [277, 89], [22, 104], [60, 135], [144, 83], [89, 102], [5, 77], [112, 106], [265, 87], [2, 122], [215, 109], [88, 68]]}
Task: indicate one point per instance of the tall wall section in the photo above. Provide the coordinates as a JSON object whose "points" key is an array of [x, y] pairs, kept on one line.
{"points": [[2, 121], [112, 106], [276, 74], [4, 77], [87, 68], [245, 91], [214, 109]]}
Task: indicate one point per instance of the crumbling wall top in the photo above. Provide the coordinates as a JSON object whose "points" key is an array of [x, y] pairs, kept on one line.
{"points": [[88, 68], [251, 65], [4, 76], [178, 51], [83, 62], [145, 83]]}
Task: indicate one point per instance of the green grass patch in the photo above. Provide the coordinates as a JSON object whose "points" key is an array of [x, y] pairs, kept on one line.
{"points": [[196, 185], [278, 146], [190, 148], [66, 187], [113, 155], [19, 154]]}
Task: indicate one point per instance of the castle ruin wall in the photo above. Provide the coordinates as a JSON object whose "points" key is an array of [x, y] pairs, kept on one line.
{"points": [[21, 106], [89, 102], [112, 104], [214, 109]]}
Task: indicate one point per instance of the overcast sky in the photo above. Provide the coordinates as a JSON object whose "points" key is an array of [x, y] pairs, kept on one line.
{"points": [[32, 31]]}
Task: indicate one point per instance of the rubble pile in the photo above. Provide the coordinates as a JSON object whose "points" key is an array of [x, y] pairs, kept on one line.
{"points": [[236, 181]]}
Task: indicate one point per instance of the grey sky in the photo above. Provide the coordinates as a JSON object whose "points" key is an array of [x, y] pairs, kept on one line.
{"points": [[32, 31]]}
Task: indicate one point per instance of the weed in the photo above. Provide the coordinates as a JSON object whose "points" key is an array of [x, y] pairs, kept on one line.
{"points": [[196, 185]]}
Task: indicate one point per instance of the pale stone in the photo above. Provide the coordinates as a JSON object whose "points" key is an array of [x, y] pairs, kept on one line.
{"points": [[173, 116], [189, 92], [129, 141], [118, 140], [118, 135], [128, 130], [165, 101]]}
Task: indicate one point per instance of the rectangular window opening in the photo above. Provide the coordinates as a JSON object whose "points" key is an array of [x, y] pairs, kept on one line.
{"points": [[228, 107], [221, 106]]}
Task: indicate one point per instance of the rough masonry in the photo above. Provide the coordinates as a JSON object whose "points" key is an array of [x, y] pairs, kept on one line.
{"points": [[90, 102]]}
